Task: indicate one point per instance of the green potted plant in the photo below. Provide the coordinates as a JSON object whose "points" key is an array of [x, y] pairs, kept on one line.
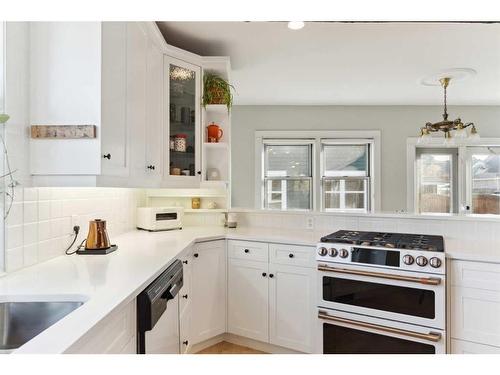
{"points": [[216, 90]]}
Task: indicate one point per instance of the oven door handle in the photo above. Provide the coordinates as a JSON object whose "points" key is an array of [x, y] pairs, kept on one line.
{"points": [[431, 336], [413, 279]]}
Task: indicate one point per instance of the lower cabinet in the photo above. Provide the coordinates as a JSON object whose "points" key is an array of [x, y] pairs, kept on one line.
{"points": [[248, 296], [475, 307], [466, 347], [292, 305], [273, 302], [115, 334], [208, 290]]}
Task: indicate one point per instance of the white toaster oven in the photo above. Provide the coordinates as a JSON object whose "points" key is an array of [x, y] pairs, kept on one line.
{"points": [[159, 218]]}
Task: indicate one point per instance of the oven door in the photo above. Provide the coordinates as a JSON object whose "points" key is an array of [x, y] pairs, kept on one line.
{"points": [[345, 333], [411, 297]]}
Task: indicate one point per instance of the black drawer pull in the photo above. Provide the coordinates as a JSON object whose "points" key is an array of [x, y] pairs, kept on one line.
{"points": [[246, 251], [185, 342], [185, 296], [185, 261], [264, 274], [107, 156], [271, 275], [196, 255], [290, 255]]}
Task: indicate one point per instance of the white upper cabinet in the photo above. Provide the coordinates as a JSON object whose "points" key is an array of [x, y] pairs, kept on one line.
{"points": [[114, 129], [143, 96], [182, 130]]}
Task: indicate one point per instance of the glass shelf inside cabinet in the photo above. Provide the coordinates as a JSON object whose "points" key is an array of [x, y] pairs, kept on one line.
{"points": [[182, 120]]}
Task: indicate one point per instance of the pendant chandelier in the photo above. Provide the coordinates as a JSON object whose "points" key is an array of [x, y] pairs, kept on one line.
{"points": [[462, 132]]}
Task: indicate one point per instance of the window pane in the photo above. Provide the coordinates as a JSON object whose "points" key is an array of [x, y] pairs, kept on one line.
{"points": [[345, 160], [486, 183], [434, 190], [345, 194], [288, 194], [287, 161]]}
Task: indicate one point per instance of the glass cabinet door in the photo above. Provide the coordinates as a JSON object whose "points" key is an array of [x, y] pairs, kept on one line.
{"points": [[183, 92]]}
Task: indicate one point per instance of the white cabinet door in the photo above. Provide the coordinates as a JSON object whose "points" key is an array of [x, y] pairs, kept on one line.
{"points": [[466, 347], [114, 334], [292, 306], [248, 304], [137, 42], [208, 290], [154, 113], [475, 315], [114, 133], [182, 120]]}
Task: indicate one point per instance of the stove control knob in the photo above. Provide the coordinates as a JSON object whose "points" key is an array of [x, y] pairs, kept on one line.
{"points": [[421, 261], [343, 253], [435, 262], [333, 252], [408, 260], [322, 251]]}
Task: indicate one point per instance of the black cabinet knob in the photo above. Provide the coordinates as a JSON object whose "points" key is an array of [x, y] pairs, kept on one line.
{"points": [[107, 156], [264, 274], [151, 167], [290, 255], [196, 255], [246, 251], [271, 275], [185, 342], [199, 172], [185, 261], [185, 296]]}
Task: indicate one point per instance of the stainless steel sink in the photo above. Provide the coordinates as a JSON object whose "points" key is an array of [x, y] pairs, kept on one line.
{"points": [[21, 321]]}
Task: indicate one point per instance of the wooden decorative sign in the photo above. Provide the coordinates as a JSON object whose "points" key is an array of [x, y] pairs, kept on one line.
{"points": [[63, 131]]}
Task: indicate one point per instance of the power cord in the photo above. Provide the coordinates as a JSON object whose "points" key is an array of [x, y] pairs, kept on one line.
{"points": [[76, 230]]}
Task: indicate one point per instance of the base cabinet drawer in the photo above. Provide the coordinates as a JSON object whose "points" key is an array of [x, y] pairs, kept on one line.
{"points": [[293, 255], [467, 347], [248, 250], [477, 275], [115, 334]]}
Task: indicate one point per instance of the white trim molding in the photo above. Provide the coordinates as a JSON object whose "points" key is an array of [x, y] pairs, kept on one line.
{"points": [[316, 136]]}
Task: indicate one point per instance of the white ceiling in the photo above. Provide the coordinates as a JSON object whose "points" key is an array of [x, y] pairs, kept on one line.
{"points": [[329, 63]]}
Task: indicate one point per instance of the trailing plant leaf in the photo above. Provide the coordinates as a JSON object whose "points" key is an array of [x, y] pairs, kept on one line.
{"points": [[216, 90]]}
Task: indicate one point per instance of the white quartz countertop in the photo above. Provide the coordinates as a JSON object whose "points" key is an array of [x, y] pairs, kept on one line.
{"points": [[111, 281]]}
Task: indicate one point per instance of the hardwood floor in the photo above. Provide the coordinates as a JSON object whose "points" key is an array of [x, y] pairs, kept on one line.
{"points": [[228, 348]]}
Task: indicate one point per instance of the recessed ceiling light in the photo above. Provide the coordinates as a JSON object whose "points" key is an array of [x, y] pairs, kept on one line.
{"points": [[296, 25]]}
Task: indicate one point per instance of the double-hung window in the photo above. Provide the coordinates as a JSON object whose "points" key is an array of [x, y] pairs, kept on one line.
{"points": [[483, 180], [288, 174], [346, 175]]}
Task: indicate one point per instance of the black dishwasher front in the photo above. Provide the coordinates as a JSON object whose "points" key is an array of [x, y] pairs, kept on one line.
{"points": [[157, 313]]}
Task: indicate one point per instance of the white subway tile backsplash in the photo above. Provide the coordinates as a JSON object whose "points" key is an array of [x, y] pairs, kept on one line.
{"points": [[30, 194], [14, 236], [40, 225], [14, 259], [15, 214], [30, 254], [43, 210], [43, 230], [30, 233]]}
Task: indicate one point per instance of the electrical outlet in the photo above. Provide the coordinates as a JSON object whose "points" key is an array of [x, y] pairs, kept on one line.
{"points": [[75, 221], [309, 222]]}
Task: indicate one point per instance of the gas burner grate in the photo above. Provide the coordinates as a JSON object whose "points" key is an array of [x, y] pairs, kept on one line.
{"points": [[389, 240]]}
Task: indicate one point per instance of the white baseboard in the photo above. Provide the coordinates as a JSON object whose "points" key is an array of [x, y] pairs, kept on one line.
{"points": [[243, 341]]}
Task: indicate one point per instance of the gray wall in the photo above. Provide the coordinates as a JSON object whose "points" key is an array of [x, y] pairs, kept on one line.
{"points": [[396, 123]]}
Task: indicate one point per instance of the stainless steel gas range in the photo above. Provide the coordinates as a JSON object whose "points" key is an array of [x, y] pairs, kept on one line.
{"points": [[381, 293]]}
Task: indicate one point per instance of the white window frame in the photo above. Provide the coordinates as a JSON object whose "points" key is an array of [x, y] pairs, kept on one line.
{"points": [[370, 195], [287, 142], [346, 136], [464, 175]]}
